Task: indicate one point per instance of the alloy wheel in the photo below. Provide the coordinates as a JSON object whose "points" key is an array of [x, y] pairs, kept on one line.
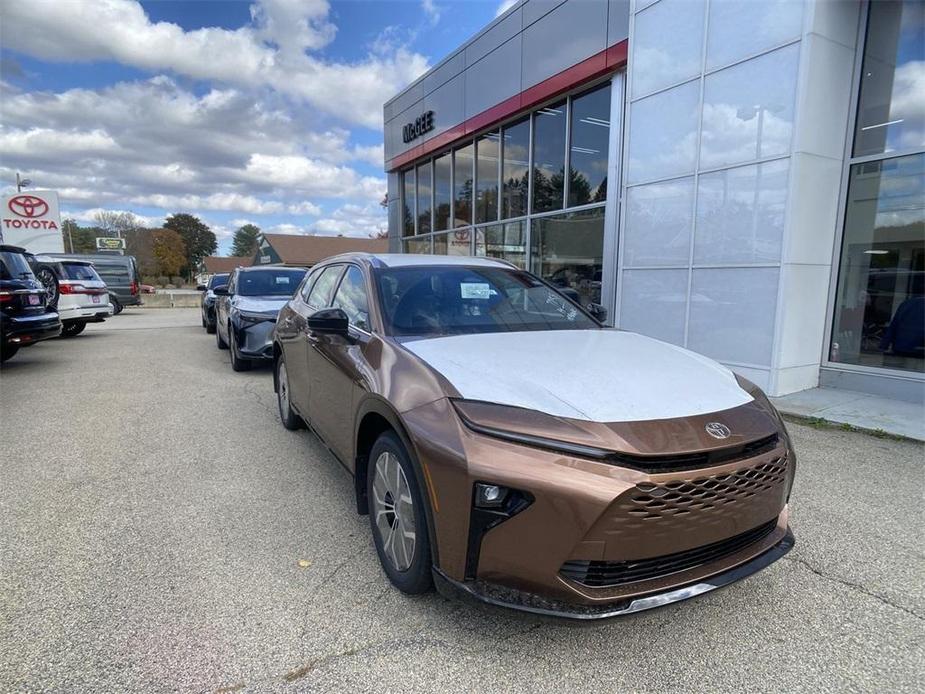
{"points": [[393, 507]]}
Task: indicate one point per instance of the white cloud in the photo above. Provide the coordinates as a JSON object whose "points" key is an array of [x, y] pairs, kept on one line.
{"points": [[431, 11], [273, 51], [352, 220], [504, 7]]}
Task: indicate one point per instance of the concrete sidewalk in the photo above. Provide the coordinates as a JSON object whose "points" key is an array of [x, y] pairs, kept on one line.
{"points": [[861, 410]]}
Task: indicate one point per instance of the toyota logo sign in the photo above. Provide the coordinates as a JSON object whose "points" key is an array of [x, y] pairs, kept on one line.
{"points": [[27, 206]]}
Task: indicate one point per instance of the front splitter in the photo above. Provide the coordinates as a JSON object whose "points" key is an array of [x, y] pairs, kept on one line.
{"points": [[534, 604]]}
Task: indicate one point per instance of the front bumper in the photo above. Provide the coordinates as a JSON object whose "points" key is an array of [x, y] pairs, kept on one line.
{"points": [[500, 596], [586, 512], [255, 340], [25, 330]]}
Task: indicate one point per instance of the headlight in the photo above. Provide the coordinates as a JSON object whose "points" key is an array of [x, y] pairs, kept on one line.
{"points": [[523, 426], [252, 318]]}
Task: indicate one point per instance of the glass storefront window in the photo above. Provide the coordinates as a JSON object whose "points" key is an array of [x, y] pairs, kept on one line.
{"points": [[515, 176], [462, 186], [568, 251], [413, 245], [454, 242], [424, 196], [487, 151], [504, 241], [407, 201], [891, 106], [590, 140], [880, 302], [549, 158], [442, 192]]}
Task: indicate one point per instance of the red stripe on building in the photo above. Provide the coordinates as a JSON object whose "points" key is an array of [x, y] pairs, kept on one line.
{"points": [[589, 69]]}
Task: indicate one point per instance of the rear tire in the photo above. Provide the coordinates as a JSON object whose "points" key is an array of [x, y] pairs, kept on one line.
{"points": [[8, 352], [238, 363], [73, 329], [219, 342], [397, 517], [287, 415]]}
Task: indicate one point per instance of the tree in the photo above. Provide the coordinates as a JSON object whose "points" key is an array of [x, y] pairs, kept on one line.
{"points": [[169, 250], [245, 240], [197, 238], [79, 239], [116, 223]]}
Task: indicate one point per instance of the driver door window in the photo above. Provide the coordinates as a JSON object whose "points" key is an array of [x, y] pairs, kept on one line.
{"points": [[352, 299]]}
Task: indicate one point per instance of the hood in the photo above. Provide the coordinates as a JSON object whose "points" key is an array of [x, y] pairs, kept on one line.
{"points": [[260, 304], [594, 375]]}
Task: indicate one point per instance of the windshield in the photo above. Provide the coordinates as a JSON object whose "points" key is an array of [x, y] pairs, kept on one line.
{"points": [[218, 280], [453, 300], [78, 271], [13, 266], [269, 282]]}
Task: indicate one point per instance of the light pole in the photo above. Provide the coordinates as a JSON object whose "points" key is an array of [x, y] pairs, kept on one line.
{"points": [[22, 182]]}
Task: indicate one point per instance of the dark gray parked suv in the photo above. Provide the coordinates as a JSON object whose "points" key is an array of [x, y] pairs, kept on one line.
{"points": [[119, 272]]}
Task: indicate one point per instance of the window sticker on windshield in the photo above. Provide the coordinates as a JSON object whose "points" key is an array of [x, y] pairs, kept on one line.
{"points": [[282, 279], [475, 290]]}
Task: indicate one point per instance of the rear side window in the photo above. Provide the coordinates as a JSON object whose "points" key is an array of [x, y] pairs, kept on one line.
{"points": [[321, 292], [113, 274], [218, 280], [13, 266], [75, 271]]}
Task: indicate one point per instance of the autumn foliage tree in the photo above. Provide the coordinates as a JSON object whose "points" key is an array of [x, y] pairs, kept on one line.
{"points": [[169, 252]]}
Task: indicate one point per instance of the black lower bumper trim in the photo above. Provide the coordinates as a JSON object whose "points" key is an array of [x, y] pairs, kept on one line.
{"points": [[525, 602]]}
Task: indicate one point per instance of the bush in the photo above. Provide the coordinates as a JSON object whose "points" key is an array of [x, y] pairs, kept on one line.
{"points": [[162, 281]]}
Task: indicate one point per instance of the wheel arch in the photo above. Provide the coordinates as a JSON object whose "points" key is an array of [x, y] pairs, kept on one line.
{"points": [[374, 417]]}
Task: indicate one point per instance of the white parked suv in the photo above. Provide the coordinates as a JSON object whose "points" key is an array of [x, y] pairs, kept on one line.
{"points": [[76, 291]]}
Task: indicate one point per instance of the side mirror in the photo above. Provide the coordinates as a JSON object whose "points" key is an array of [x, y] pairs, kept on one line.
{"points": [[329, 321], [598, 312], [220, 290], [200, 287]]}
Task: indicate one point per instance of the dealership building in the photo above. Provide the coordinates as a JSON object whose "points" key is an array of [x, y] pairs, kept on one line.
{"points": [[744, 178]]}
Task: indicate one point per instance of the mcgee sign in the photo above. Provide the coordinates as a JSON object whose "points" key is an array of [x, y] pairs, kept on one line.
{"points": [[31, 220]]}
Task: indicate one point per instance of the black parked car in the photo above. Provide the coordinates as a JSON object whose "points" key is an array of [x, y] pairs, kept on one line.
{"points": [[246, 310], [207, 302], [25, 317]]}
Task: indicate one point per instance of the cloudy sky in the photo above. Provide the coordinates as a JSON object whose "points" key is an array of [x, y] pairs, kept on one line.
{"points": [[267, 111]]}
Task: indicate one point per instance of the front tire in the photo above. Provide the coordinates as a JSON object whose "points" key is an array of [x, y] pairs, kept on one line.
{"points": [[397, 517], [289, 418], [238, 363], [116, 306]]}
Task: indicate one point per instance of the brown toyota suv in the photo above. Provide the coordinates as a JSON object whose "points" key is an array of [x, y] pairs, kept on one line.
{"points": [[511, 449]]}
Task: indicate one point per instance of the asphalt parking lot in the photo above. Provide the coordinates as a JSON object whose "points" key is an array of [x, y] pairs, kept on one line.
{"points": [[160, 530]]}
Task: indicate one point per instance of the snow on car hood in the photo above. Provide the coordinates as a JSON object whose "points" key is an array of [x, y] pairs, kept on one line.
{"points": [[594, 375]]}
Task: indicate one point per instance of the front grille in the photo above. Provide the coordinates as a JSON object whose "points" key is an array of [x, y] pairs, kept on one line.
{"points": [[692, 461], [605, 574], [681, 497]]}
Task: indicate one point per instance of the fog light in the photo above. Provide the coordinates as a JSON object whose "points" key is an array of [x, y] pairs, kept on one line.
{"points": [[489, 495]]}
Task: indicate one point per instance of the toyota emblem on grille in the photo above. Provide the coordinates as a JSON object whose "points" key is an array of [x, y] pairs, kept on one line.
{"points": [[718, 430]]}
